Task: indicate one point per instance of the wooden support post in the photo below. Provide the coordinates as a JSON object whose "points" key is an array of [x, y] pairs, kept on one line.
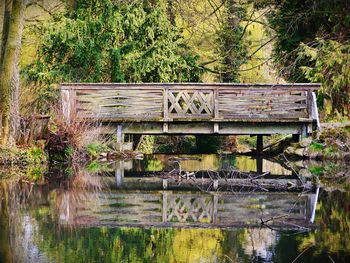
{"points": [[215, 208], [120, 137], [119, 173], [303, 131], [216, 127], [216, 184], [259, 143], [165, 127], [259, 164], [165, 207], [165, 184], [314, 111]]}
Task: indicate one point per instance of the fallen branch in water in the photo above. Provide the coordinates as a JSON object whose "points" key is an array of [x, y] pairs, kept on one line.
{"points": [[233, 180], [264, 222]]}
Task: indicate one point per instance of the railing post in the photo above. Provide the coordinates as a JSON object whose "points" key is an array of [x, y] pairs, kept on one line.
{"points": [[314, 110], [165, 103], [73, 102], [165, 110], [216, 103], [216, 109], [68, 102]]}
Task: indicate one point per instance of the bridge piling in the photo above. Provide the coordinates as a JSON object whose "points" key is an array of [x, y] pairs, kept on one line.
{"points": [[259, 143]]}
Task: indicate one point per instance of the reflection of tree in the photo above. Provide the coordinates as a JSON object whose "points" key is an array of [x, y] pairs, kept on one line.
{"points": [[197, 245], [5, 250], [333, 221], [330, 239]]}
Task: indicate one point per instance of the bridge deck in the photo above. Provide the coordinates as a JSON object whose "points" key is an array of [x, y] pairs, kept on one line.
{"points": [[186, 108]]}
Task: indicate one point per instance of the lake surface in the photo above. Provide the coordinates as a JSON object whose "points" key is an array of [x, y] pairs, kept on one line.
{"points": [[133, 211]]}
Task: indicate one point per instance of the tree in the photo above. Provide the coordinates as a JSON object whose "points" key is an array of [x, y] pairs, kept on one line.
{"points": [[331, 68], [104, 41], [230, 42], [9, 72], [307, 28]]}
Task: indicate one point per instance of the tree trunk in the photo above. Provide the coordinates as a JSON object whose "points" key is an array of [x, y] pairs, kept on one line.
{"points": [[2, 14], [9, 74], [5, 13]]}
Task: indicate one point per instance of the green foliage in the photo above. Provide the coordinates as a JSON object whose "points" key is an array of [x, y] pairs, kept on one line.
{"points": [[300, 21], [331, 68], [231, 47], [94, 149], [250, 141], [36, 155], [316, 170], [147, 144], [96, 167], [175, 144], [316, 146], [22, 156], [331, 152], [105, 40], [68, 151]]}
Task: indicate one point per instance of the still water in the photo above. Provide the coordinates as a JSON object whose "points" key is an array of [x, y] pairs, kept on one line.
{"points": [[111, 213]]}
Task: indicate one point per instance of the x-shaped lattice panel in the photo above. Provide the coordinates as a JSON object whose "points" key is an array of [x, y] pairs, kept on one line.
{"points": [[190, 210], [184, 103]]}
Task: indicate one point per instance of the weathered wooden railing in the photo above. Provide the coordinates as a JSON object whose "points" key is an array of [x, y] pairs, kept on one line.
{"points": [[171, 104]]}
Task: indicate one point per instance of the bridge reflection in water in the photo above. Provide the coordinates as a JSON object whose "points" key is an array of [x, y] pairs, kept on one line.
{"points": [[186, 209], [133, 196]]}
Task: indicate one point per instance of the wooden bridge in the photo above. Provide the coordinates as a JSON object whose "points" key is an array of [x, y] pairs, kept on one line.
{"points": [[201, 108]]}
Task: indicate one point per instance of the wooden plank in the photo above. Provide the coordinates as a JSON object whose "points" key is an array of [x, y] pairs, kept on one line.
{"points": [[310, 86], [165, 104]]}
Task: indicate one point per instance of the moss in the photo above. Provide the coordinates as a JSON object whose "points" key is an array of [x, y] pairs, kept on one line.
{"points": [[36, 155], [331, 152], [316, 170], [316, 147]]}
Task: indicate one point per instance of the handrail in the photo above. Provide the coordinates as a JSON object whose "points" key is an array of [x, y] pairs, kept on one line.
{"points": [[188, 101]]}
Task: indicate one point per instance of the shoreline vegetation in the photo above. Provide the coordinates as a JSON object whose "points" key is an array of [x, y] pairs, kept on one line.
{"points": [[81, 144], [80, 141], [332, 144]]}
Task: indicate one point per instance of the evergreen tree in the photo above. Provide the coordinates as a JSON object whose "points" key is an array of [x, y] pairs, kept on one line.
{"points": [[312, 44], [112, 41]]}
